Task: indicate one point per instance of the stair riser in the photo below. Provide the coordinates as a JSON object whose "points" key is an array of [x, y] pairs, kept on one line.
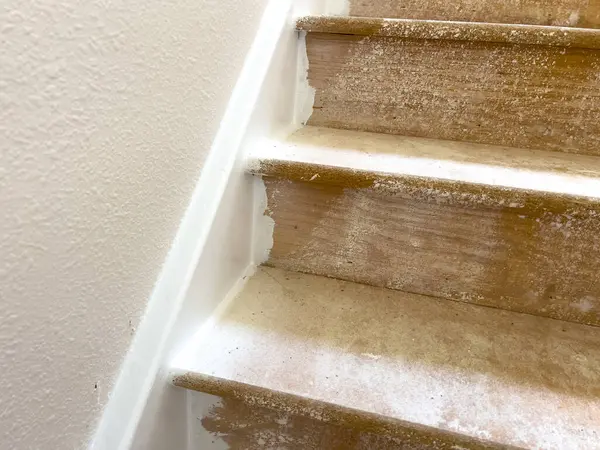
{"points": [[247, 417], [545, 12], [524, 96], [520, 251], [246, 427]]}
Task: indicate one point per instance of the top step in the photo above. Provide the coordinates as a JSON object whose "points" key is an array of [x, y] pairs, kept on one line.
{"points": [[523, 86], [452, 31], [571, 13]]}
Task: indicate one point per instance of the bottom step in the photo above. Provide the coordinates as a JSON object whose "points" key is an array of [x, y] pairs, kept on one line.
{"points": [[397, 367]]}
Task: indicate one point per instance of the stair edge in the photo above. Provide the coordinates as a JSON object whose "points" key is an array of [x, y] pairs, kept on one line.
{"points": [[453, 31], [404, 173], [327, 412]]}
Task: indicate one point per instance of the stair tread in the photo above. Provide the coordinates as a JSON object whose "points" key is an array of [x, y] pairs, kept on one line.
{"points": [[541, 97], [453, 30], [506, 377], [522, 169]]}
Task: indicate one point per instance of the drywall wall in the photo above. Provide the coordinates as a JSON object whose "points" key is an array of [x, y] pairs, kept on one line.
{"points": [[107, 112]]}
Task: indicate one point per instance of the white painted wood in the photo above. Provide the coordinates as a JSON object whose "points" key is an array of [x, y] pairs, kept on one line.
{"points": [[321, 7], [212, 250], [199, 406]]}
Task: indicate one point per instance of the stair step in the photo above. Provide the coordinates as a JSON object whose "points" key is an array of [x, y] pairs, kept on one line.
{"points": [[425, 372], [510, 228], [452, 31], [580, 13], [483, 83]]}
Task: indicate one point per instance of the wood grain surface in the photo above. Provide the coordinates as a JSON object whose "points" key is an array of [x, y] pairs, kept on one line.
{"points": [[527, 96], [510, 250], [575, 13], [453, 31]]}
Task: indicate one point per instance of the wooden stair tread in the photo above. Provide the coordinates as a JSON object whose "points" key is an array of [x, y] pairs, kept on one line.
{"points": [[335, 156], [509, 378], [453, 30]]}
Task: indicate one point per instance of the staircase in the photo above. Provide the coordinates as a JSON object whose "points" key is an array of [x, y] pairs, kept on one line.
{"points": [[434, 280]]}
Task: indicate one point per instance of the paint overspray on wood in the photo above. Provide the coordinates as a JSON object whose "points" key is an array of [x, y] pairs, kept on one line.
{"points": [[243, 427]]}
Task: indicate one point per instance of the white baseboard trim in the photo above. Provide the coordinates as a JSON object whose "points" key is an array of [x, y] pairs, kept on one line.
{"points": [[153, 343]]}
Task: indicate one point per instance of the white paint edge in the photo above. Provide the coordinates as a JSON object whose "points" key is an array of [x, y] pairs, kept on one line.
{"points": [[264, 225], [128, 398], [402, 165], [321, 7], [182, 360]]}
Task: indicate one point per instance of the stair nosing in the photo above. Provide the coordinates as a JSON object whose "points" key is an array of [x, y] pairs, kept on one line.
{"points": [[543, 35], [355, 168], [321, 410]]}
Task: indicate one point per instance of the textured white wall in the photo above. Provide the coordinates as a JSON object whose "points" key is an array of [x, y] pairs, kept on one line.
{"points": [[107, 111]]}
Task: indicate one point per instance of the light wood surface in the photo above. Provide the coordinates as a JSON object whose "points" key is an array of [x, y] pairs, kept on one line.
{"points": [[453, 31], [576, 13], [523, 252], [526, 96]]}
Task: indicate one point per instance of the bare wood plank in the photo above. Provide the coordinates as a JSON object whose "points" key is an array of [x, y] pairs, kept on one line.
{"points": [[529, 253], [524, 96], [574, 13], [250, 417], [453, 31]]}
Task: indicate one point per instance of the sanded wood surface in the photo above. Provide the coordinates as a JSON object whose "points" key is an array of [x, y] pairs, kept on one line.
{"points": [[521, 251], [391, 363], [454, 31], [244, 425], [575, 13], [528, 96]]}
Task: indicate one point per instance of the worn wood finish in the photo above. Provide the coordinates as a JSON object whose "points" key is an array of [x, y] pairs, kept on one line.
{"points": [[527, 96], [575, 13], [242, 427], [250, 417], [522, 251], [424, 371], [452, 31], [366, 155]]}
